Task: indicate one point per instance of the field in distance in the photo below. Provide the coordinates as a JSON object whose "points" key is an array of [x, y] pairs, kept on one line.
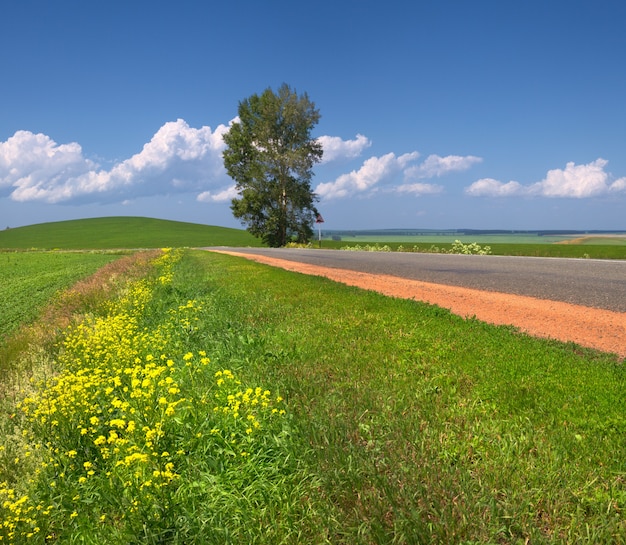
{"points": [[138, 232], [575, 244], [122, 232], [432, 236]]}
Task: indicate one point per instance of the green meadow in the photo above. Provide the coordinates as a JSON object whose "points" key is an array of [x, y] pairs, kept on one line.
{"points": [[137, 232], [122, 232], [193, 397]]}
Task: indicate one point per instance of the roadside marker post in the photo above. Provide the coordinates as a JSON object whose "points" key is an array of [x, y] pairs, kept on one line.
{"points": [[319, 220]]}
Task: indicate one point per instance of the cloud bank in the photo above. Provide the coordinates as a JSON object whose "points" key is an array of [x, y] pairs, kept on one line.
{"points": [[178, 159], [182, 159], [574, 181], [383, 174], [335, 148], [435, 166]]}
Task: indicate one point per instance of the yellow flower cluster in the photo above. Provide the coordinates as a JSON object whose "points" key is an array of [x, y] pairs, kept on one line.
{"points": [[109, 429], [242, 406], [98, 410]]}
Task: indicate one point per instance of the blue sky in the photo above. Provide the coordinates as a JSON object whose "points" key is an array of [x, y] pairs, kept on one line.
{"points": [[440, 114]]}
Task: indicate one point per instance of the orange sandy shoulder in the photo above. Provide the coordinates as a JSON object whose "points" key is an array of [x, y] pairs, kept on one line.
{"points": [[591, 327]]}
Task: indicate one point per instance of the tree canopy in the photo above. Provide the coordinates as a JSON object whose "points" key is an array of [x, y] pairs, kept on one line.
{"points": [[270, 154]]}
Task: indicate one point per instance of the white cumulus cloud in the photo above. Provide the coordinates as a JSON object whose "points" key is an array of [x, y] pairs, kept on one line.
{"points": [[183, 159], [419, 189], [488, 187], [436, 166], [375, 171], [390, 169], [336, 148], [618, 185], [178, 158], [223, 195], [31, 162], [574, 181]]}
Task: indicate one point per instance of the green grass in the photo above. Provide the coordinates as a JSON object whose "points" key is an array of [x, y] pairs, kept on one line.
{"points": [[132, 232], [589, 251], [28, 280], [122, 232], [128, 433], [404, 424], [424, 427]]}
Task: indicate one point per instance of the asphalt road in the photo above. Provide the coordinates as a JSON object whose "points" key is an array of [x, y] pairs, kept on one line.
{"points": [[588, 282]]}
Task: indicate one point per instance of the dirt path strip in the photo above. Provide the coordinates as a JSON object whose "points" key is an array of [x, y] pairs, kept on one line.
{"points": [[594, 328]]}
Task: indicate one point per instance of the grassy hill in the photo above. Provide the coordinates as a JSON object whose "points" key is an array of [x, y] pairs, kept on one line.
{"points": [[122, 232]]}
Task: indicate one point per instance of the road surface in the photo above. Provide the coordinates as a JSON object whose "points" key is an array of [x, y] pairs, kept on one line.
{"points": [[587, 282]]}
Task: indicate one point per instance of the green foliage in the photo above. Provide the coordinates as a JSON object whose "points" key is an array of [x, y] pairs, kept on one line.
{"points": [[457, 248], [122, 232], [307, 245], [368, 248], [512, 244], [607, 251], [270, 154], [469, 249]]}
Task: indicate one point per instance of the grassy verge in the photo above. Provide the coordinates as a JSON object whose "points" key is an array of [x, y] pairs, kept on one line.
{"points": [[127, 433], [423, 427], [402, 423]]}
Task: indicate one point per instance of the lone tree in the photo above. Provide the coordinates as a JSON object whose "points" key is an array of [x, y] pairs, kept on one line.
{"points": [[270, 154]]}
